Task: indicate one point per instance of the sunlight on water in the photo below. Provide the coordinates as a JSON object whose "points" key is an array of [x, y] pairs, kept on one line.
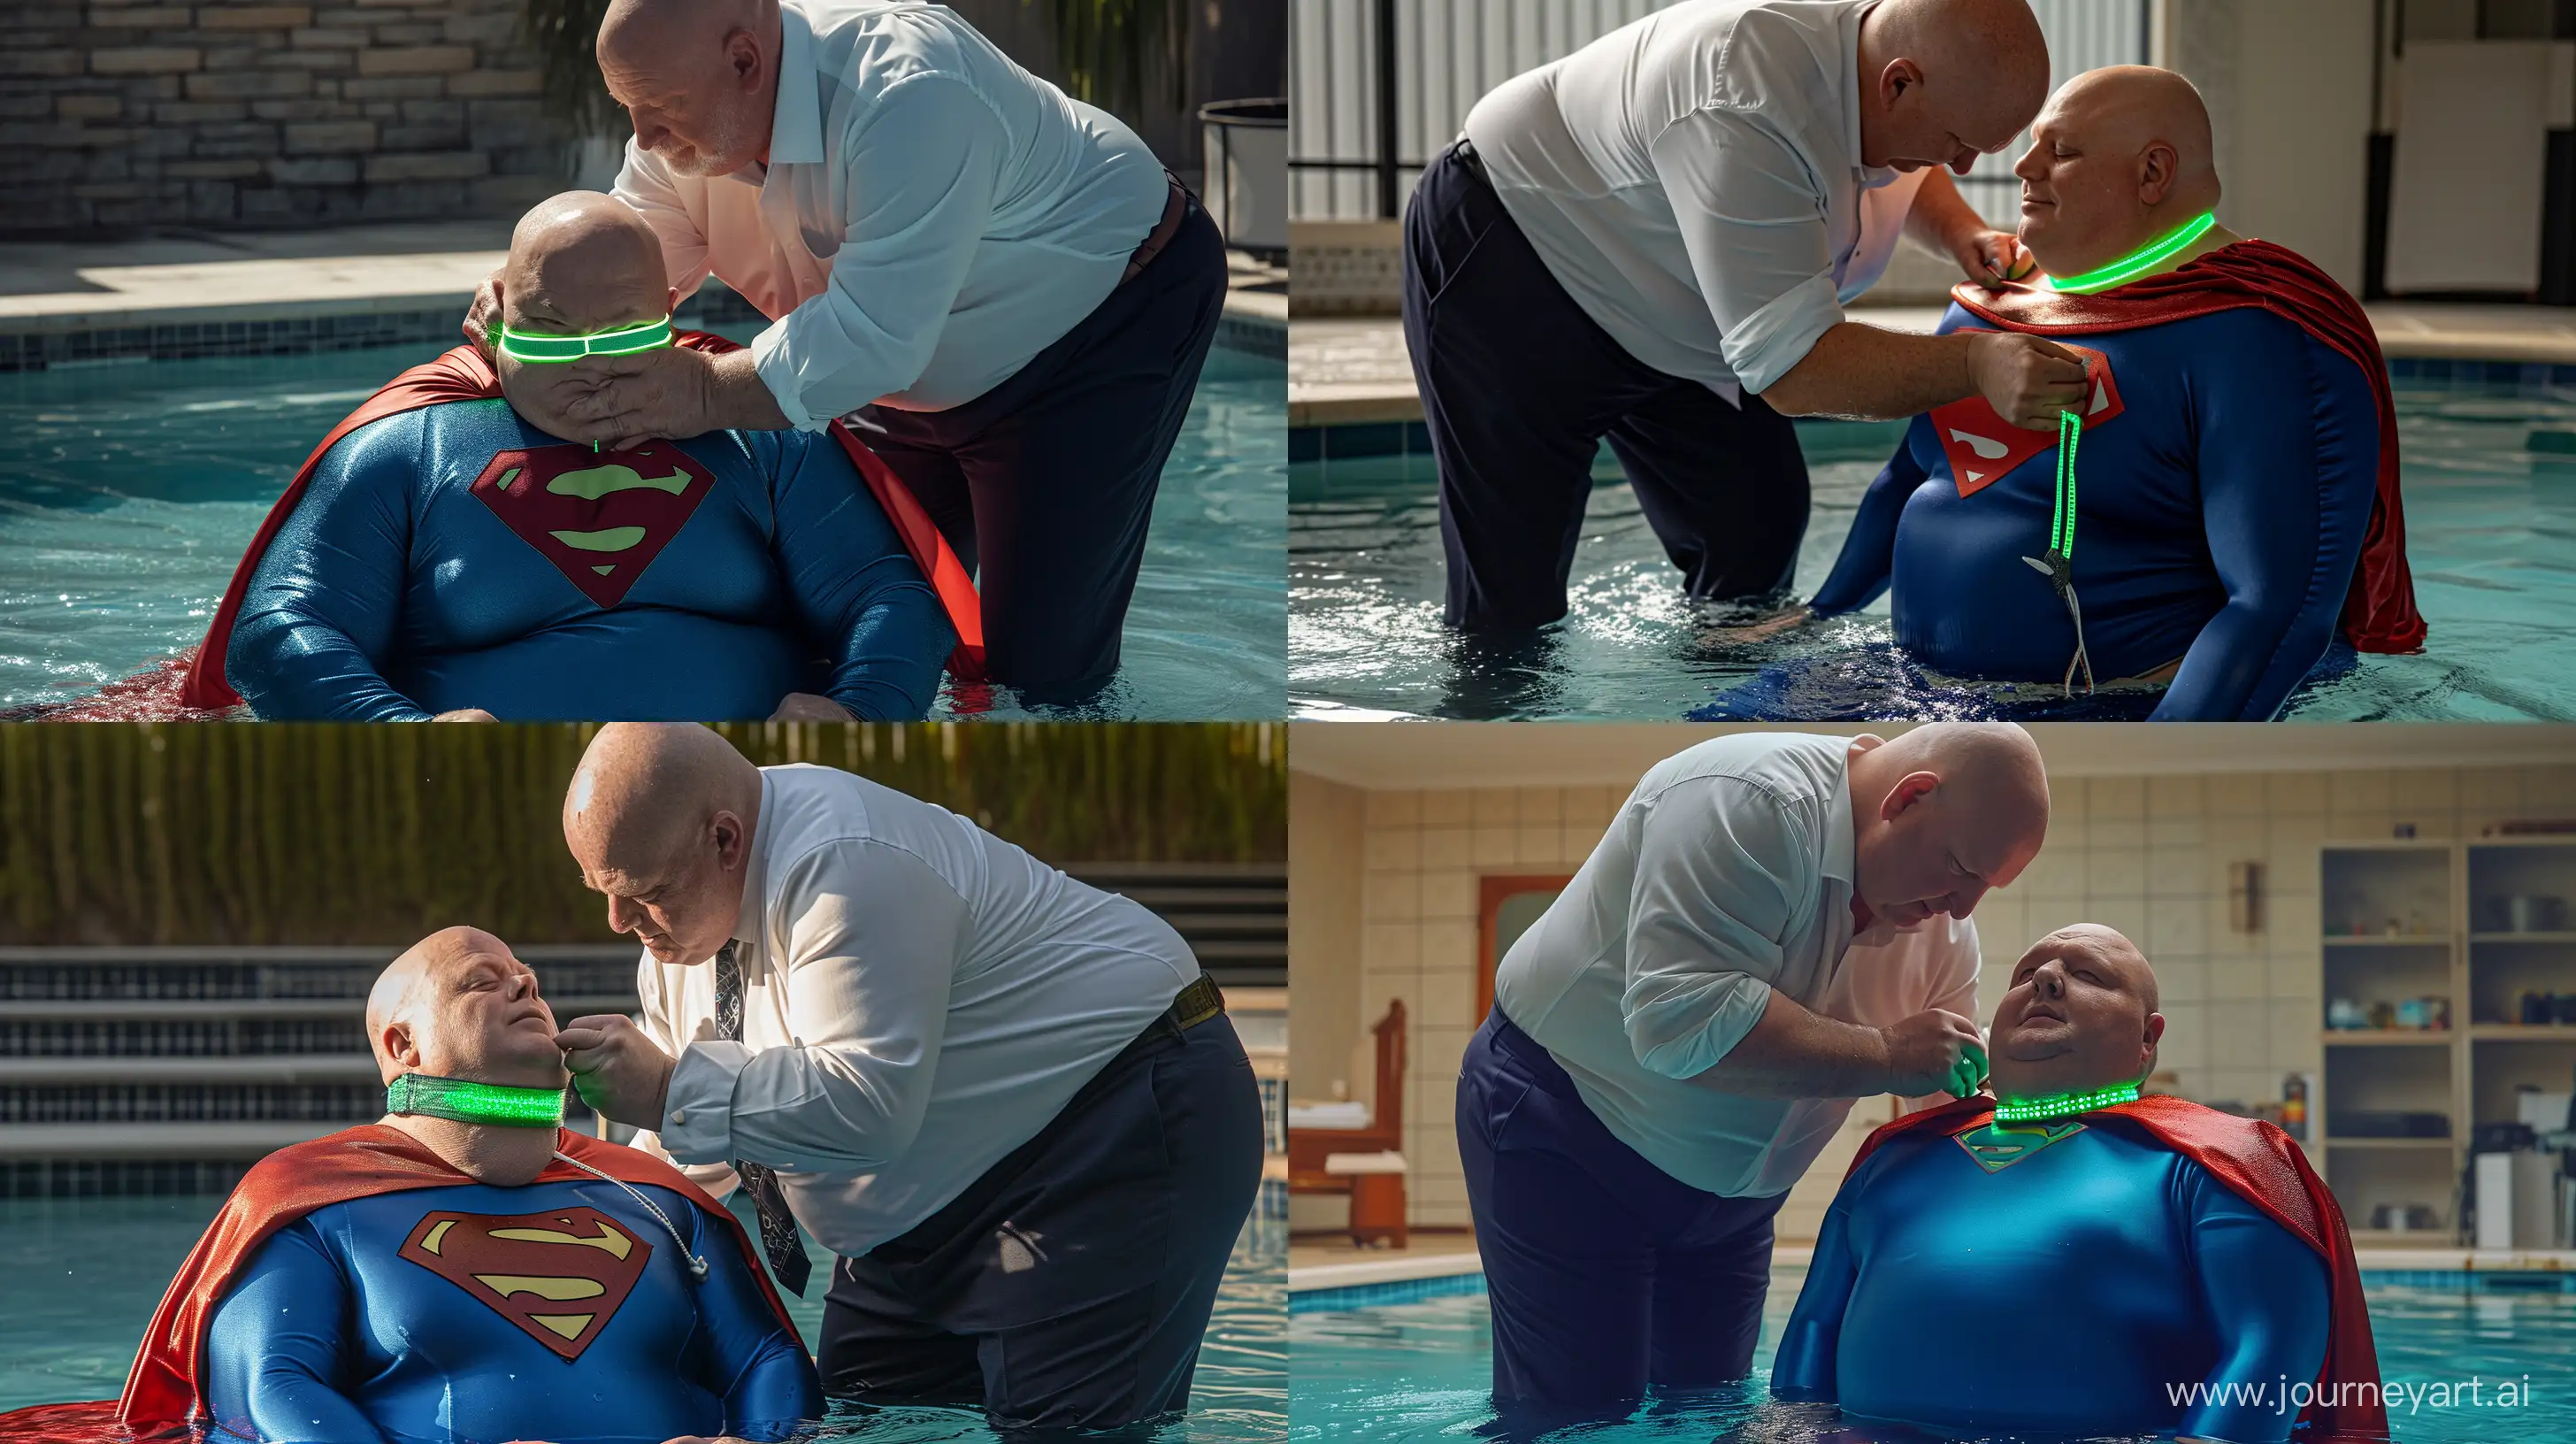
{"points": [[2489, 525], [128, 493]]}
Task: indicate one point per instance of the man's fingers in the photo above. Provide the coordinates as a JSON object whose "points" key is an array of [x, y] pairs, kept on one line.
{"points": [[579, 1040], [601, 1022]]}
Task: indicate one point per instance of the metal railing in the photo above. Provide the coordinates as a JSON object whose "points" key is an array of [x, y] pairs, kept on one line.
{"points": [[1377, 87]]}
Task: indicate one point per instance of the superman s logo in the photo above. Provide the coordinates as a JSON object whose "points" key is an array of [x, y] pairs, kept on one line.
{"points": [[1982, 446], [559, 1276], [601, 518]]}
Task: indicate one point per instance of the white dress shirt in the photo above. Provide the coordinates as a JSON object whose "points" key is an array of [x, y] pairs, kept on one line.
{"points": [[1726, 875], [1694, 182], [919, 998], [930, 218]]}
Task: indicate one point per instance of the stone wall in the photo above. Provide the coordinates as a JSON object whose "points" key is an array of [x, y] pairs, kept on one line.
{"points": [[121, 115]]}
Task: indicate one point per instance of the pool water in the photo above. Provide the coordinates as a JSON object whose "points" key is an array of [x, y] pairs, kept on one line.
{"points": [[128, 493], [79, 1279], [1423, 1371], [2489, 524]]}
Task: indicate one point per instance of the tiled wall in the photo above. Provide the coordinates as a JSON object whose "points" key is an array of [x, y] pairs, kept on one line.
{"points": [[2148, 856]]}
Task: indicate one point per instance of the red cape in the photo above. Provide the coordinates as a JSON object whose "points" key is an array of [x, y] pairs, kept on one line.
{"points": [[464, 375], [2259, 1163], [162, 1391], [2379, 612]]}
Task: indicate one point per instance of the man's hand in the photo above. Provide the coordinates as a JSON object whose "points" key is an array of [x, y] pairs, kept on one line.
{"points": [[625, 401], [1932, 1052], [618, 1071], [1991, 258], [483, 317], [2026, 379], [465, 714], [806, 707]]}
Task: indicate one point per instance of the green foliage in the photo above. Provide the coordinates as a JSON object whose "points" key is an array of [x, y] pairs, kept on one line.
{"points": [[1109, 51], [562, 33], [277, 833]]}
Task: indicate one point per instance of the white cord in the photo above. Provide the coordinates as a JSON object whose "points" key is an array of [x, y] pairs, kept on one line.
{"points": [[697, 1265]]}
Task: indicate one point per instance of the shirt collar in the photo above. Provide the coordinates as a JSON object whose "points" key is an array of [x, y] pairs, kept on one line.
{"points": [[796, 131], [748, 927], [1841, 854], [1871, 177]]}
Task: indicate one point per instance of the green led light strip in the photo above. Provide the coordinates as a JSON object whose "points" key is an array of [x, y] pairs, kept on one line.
{"points": [[2061, 527], [463, 1102], [2024, 1110], [530, 346], [2137, 263]]}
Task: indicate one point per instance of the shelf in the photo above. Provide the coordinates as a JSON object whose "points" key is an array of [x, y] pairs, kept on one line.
{"points": [[2399, 940], [2523, 1032], [2522, 937], [2391, 1037], [2426, 1143]]}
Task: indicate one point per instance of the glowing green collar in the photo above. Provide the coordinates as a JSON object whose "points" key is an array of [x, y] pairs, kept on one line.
{"points": [[2137, 263], [533, 346], [2060, 1105], [463, 1102]]}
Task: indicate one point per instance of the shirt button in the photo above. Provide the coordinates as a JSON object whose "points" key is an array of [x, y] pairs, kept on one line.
{"points": [[678, 1117]]}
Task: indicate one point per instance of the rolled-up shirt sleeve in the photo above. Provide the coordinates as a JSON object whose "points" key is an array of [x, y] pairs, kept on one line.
{"points": [[1721, 867], [868, 962], [1752, 221], [923, 164]]}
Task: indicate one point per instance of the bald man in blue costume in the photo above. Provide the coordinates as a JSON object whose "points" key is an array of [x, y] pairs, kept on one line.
{"points": [[455, 561], [466, 1268], [2236, 498], [2081, 1272]]}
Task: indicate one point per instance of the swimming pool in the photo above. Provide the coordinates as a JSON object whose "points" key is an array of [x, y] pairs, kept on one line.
{"points": [[2489, 523], [79, 1279], [1422, 1371], [128, 492]]}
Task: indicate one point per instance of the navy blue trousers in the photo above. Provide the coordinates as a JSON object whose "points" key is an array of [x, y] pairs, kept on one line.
{"points": [[1519, 388], [1044, 484], [1606, 1274], [1068, 1288]]}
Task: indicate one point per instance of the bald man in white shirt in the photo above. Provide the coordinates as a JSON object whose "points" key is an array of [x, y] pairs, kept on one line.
{"points": [[1650, 241], [999, 287], [1774, 925], [1010, 1103]]}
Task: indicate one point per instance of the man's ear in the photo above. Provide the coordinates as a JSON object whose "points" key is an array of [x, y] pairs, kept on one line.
{"points": [[1893, 81], [728, 831], [1910, 789], [399, 1045], [2157, 168], [2154, 1036]]}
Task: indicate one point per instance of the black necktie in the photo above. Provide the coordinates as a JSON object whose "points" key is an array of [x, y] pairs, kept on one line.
{"points": [[778, 1236]]}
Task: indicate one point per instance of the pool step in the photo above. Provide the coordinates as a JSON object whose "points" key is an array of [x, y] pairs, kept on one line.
{"points": [[170, 1070]]}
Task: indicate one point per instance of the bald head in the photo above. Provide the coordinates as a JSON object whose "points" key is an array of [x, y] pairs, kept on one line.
{"points": [[459, 1004], [1943, 81], [660, 817], [581, 262], [2121, 157], [699, 78], [2081, 1013], [1943, 813]]}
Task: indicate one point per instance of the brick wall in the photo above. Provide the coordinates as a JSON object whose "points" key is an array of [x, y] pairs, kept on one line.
{"points": [[121, 115]]}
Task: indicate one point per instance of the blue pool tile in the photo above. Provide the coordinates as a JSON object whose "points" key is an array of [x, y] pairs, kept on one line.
{"points": [[1373, 438], [1417, 438], [1305, 443], [1377, 1296], [2562, 375]]}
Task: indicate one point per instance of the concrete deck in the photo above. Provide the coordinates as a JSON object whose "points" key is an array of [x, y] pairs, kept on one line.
{"points": [[1343, 372], [194, 278]]}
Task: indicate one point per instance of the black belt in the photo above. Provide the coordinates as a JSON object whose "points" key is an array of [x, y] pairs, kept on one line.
{"points": [[1465, 150], [1176, 207], [1195, 1004]]}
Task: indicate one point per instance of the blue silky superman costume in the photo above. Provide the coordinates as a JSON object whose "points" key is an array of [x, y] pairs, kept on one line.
{"points": [[2237, 498], [438, 553], [357, 1289], [2082, 1277]]}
